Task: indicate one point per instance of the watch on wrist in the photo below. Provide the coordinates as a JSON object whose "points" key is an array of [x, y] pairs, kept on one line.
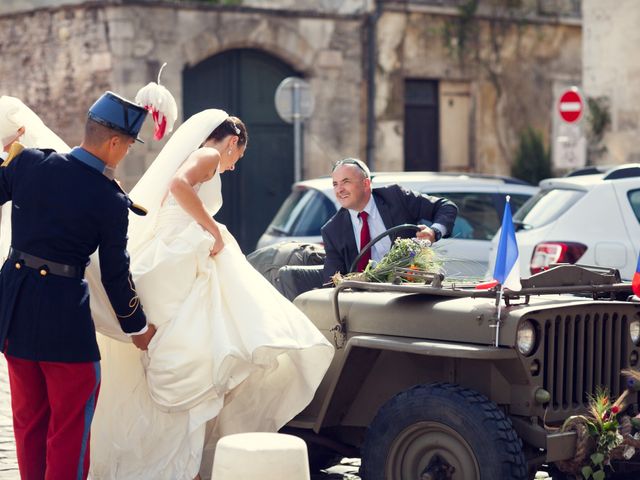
{"points": [[437, 234]]}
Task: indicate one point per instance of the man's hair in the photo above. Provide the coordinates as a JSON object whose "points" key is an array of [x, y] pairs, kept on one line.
{"points": [[96, 133], [353, 161]]}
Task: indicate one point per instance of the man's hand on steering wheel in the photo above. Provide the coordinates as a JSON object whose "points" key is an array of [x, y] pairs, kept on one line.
{"points": [[426, 233]]}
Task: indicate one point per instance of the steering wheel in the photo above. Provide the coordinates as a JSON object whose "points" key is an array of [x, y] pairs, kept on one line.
{"points": [[389, 231]]}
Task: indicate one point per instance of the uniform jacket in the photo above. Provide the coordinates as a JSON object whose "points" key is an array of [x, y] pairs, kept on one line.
{"points": [[396, 206], [62, 211]]}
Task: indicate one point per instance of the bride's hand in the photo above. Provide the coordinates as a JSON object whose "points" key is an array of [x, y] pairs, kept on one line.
{"points": [[217, 246]]}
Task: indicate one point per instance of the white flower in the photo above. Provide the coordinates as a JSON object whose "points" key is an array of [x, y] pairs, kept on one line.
{"points": [[629, 451]]}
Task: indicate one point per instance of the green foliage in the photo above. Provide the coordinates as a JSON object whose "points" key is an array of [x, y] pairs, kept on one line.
{"points": [[458, 31], [602, 425], [408, 253], [532, 162], [598, 117]]}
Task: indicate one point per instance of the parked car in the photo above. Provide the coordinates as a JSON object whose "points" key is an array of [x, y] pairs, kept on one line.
{"points": [[591, 219], [480, 199]]}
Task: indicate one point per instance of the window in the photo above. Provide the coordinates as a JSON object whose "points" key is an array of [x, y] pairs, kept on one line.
{"points": [[545, 206], [634, 201], [478, 218], [303, 213]]}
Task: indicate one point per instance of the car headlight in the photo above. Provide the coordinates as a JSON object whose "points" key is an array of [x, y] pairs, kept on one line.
{"points": [[526, 337], [634, 331]]}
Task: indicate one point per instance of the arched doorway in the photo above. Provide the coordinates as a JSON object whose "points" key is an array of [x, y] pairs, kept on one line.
{"points": [[243, 82]]}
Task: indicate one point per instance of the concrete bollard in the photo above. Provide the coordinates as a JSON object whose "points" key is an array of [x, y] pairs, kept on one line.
{"points": [[260, 456]]}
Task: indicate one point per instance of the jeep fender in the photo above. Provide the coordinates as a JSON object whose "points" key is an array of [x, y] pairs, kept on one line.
{"points": [[402, 363]]}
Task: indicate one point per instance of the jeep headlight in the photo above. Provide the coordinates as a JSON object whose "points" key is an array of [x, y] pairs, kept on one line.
{"points": [[634, 331], [526, 337]]}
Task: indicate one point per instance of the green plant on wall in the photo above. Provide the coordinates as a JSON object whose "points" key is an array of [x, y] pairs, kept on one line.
{"points": [[598, 118], [532, 162], [597, 122]]}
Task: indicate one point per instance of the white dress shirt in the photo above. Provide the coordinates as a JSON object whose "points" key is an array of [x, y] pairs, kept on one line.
{"points": [[376, 227]]}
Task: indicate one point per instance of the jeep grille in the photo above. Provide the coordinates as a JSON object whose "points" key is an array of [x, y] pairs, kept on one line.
{"points": [[583, 352]]}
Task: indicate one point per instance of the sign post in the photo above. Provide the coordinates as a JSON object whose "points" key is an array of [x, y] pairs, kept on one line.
{"points": [[570, 144], [294, 103]]}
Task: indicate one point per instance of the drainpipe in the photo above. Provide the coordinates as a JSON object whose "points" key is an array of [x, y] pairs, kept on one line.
{"points": [[372, 52]]}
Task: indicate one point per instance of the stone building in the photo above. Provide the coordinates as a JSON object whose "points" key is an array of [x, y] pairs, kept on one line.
{"points": [[415, 85], [611, 77]]}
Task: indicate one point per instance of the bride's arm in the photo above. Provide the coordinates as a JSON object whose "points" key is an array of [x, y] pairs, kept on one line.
{"points": [[198, 168]]}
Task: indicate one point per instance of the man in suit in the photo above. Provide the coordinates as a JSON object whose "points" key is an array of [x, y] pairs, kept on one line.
{"points": [[65, 206], [368, 212]]}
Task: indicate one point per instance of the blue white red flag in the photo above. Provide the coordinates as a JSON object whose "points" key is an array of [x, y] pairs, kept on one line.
{"points": [[635, 283], [507, 266], [507, 269]]}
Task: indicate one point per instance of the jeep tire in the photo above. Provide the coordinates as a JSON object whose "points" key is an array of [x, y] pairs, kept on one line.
{"points": [[460, 426]]}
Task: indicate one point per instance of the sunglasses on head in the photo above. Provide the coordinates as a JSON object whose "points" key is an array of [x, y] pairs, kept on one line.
{"points": [[352, 161]]}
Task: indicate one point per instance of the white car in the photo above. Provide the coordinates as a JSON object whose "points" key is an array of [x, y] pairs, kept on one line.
{"points": [[591, 219], [480, 200]]}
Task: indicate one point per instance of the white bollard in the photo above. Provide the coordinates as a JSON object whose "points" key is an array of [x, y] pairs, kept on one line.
{"points": [[260, 456]]}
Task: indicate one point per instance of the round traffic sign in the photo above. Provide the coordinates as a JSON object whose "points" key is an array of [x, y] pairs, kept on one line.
{"points": [[294, 99], [571, 105]]}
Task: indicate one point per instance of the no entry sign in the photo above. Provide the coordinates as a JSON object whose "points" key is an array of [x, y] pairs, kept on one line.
{"points": [[570, 105]]}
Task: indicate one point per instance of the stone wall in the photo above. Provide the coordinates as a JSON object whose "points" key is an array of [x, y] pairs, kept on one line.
{"points": [[611, 71], [59, 59], [510, 73], [68, 56]]}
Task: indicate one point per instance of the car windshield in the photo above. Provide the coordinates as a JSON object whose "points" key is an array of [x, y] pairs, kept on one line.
{"points": [[479, 213], [303, 213], [545, 207]]}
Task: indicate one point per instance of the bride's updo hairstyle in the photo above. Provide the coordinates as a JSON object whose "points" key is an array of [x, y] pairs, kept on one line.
{"points": [[230, 126]]}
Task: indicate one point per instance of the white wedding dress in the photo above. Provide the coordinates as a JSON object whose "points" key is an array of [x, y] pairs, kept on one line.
{"points": [[228, 347]]}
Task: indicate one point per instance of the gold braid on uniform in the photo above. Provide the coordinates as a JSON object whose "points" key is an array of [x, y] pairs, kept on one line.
{"points": [[14, 150], [134, 303]]}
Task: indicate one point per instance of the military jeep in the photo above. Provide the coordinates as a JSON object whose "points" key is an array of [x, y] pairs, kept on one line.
{"points": [[427, 382]]}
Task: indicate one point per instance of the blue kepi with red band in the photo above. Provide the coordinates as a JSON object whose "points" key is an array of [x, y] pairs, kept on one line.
{"points": [[118, 114]]}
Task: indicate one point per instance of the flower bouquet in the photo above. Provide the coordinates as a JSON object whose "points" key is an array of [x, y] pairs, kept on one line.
{"points": [[408, 260], [604, 434]]}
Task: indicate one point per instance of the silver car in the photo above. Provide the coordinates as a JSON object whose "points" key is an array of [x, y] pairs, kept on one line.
{"points": [[480, 200]]}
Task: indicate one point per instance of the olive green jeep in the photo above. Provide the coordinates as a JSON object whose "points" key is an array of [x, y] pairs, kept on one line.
{"points": [[426, 383]]}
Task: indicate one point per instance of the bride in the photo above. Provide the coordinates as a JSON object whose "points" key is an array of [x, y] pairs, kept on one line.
{"points": [[230, 353]]}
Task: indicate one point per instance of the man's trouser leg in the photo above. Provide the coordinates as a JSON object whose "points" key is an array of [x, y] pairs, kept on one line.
{"points": [[71, 392]]}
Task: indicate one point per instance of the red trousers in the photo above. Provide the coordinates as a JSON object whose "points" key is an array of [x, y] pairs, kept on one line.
{"points": [[53, 405]]}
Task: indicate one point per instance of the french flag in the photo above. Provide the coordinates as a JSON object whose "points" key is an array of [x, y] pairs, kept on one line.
{"points": [[507, 269], [635, 283]]}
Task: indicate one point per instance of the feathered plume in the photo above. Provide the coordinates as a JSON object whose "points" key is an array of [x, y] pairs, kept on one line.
{"points": [[159, 101]]}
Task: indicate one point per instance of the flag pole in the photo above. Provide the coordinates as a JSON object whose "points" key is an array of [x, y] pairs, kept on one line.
{"points": [[498, 316]]}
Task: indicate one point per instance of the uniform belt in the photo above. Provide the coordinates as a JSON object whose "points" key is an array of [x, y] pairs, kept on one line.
{"points": [[43, 265]]}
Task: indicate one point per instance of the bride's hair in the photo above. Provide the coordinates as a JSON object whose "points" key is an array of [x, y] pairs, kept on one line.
{"points": [[230, 126]]}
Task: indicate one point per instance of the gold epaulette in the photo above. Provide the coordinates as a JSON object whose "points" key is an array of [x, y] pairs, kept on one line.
{"points": [[14, 150], [134, 207]]}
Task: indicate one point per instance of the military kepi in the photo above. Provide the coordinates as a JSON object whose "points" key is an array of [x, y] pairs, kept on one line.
{"points": [[118, 114]]}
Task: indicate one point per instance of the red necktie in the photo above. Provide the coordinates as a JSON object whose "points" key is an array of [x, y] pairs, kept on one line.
{"points": [[365, 237]]}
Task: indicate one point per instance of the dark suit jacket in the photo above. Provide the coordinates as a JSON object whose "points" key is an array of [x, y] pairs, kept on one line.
{"points": [[62, 211], [396, 206]]}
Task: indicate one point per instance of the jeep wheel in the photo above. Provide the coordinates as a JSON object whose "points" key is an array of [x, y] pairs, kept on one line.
{"points": [[443, 429]]}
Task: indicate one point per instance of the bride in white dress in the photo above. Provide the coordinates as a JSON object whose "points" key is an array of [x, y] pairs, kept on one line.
{"points": [[230, 353]]}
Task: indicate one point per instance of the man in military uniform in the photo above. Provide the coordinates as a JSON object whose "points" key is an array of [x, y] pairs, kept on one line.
{"points": [[65, 206]]}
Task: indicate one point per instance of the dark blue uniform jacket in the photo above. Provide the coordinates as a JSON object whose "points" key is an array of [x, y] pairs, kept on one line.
{"points": [[62, 211]]}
